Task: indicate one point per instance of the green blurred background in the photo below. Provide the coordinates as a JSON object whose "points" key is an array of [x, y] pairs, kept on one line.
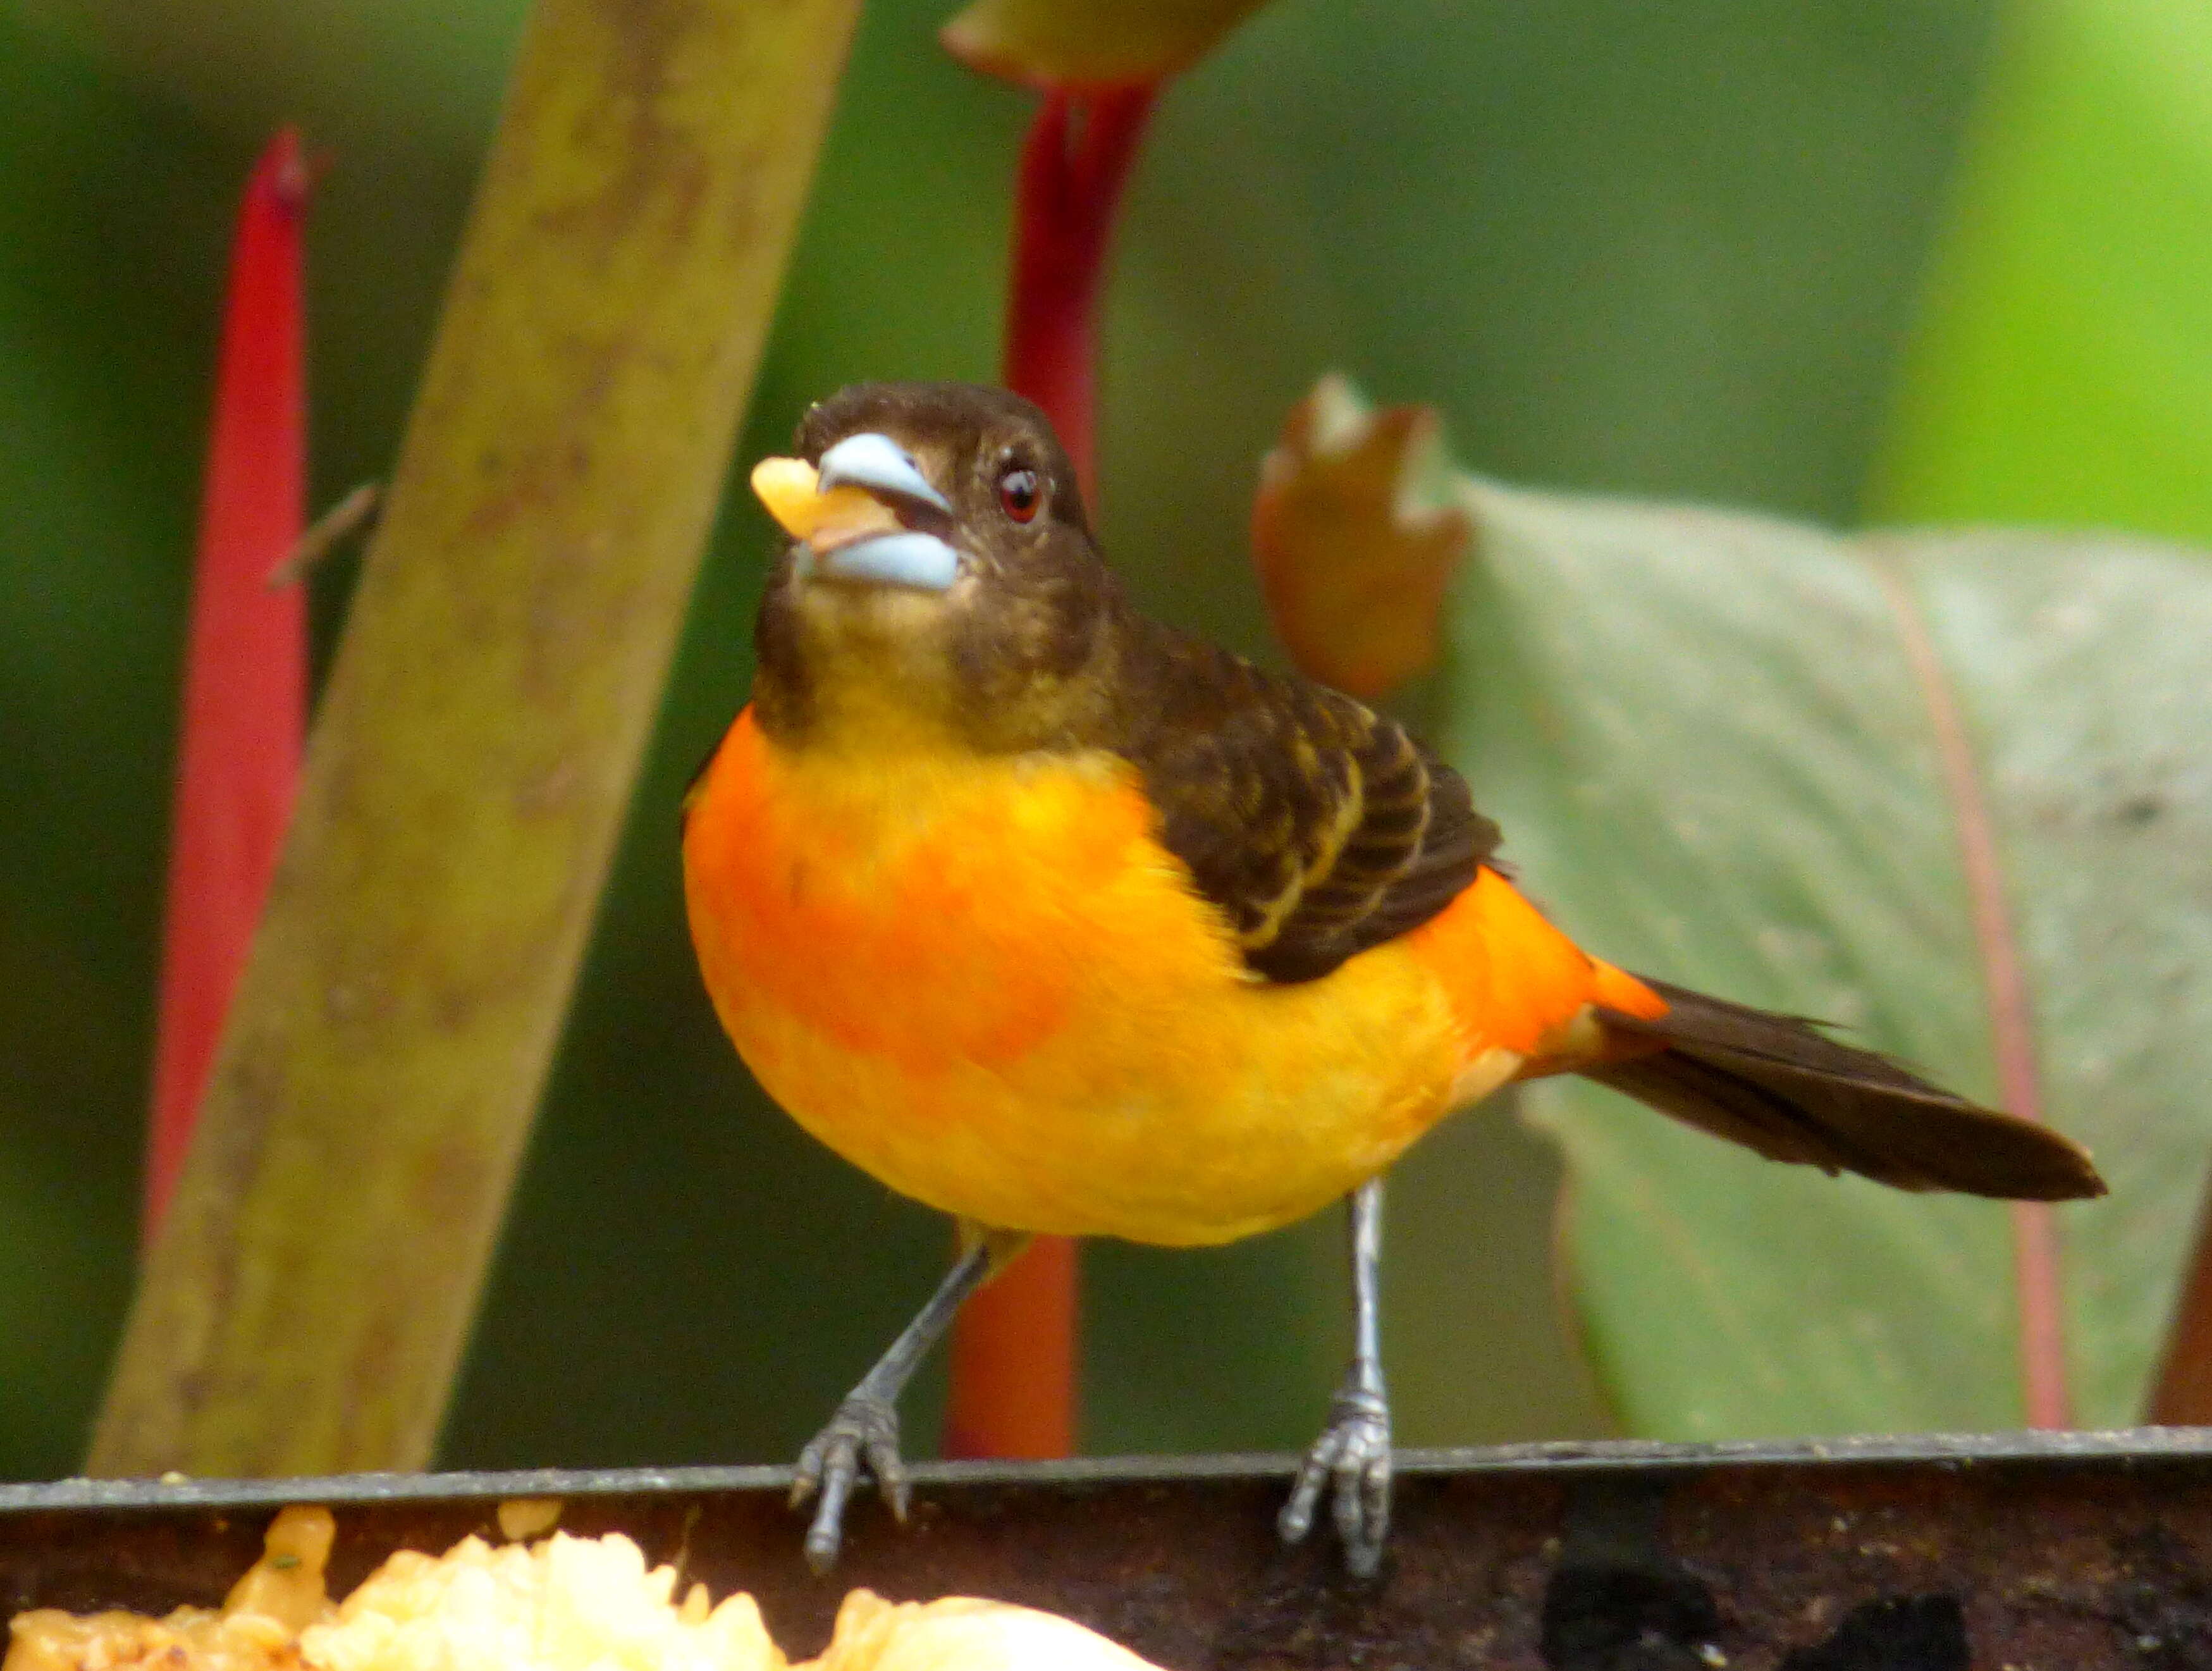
{"points": [[1937, 258]]}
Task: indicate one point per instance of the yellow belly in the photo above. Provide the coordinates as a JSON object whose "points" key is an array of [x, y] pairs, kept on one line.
{"points": [[985, 983]]}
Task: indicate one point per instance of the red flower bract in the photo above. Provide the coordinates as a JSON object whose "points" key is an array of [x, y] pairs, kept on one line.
{"points": [[245, 664]]}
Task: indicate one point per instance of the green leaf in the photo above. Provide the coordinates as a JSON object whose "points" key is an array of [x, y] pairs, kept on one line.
{"points": [[1704, 737], [2062, 371]]}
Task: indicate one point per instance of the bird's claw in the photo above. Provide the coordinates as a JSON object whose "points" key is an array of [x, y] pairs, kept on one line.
{"points": [[864, 1435], [1353, 1458]]}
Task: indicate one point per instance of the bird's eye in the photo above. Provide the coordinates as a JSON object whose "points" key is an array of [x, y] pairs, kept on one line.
{"points": [[1017, 494]]}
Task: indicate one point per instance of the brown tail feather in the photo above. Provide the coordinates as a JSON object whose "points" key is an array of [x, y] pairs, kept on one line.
{"points": [[1774, 1083]]}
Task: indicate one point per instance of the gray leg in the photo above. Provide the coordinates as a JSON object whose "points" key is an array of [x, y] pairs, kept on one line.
{"points": [[1354, 1452], [866, 1425]]}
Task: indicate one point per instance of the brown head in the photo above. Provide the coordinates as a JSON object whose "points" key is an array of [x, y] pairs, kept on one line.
{"points": [[939, 581]]}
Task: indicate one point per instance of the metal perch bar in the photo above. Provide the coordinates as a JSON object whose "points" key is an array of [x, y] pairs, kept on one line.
{"points": [[2084, 1550]]}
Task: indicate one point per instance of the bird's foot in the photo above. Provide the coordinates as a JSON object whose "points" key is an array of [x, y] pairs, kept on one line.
{"points": [[1353, 1458], [864, 1434]]}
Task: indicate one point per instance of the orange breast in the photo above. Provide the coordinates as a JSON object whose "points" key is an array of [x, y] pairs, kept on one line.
{"points": [[985, 982]]}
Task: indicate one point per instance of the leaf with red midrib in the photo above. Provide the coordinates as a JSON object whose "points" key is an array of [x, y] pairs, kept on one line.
{"points": [[2046, 1396], [1946, 790], [245, 666]]}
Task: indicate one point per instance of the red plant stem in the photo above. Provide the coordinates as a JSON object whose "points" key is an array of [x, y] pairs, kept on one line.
{"points": [[246, 661], [2038, 1273], [1074, 165], [1014, 1348], [1014, 1360]]}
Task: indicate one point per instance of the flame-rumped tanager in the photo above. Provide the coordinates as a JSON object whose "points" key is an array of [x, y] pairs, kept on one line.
{"points": [[1065, 922]]}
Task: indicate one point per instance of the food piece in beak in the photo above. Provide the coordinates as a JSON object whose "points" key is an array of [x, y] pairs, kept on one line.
{"points": [[790, 488], [846, 516]]}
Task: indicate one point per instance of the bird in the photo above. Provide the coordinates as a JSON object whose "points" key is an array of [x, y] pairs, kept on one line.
{"points": [[1063, 921]]}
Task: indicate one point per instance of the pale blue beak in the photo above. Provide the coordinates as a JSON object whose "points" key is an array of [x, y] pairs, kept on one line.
{"points": [[921, 561], [879, 465]]}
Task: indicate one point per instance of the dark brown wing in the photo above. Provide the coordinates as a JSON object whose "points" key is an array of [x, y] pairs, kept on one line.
{"points": [[1319, 827]]}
